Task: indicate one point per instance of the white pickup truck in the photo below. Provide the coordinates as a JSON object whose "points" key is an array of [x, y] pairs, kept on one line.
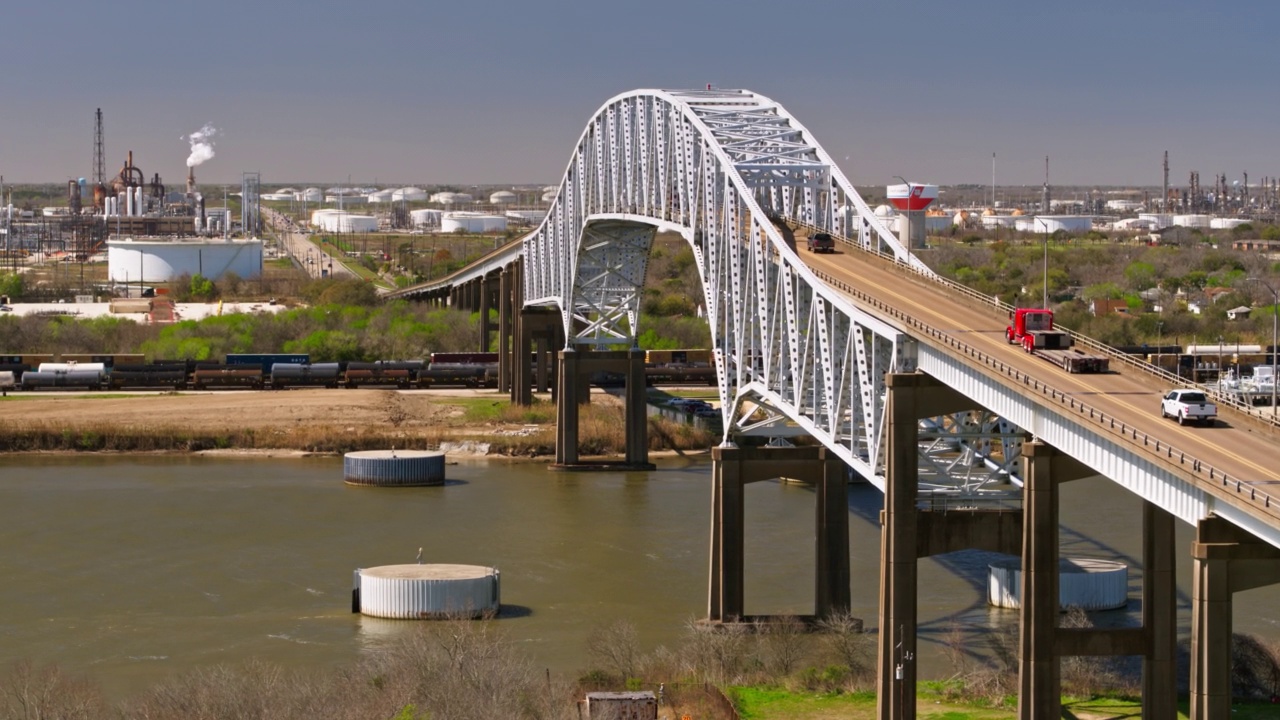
{"points": [[1188, 406]]}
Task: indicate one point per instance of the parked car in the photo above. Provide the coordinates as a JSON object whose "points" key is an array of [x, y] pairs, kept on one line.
{"points": [[821, 242], [1188, 405]]}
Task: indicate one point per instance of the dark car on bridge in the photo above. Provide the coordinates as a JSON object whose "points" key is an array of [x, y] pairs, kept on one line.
{"points": [[821, 242]]}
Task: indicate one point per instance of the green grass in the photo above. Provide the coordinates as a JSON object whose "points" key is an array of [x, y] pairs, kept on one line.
{"points": [[489, 409], [762, 703]]}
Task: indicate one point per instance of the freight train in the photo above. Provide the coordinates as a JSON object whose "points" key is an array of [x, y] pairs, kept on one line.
{"points": [[279, 371]]}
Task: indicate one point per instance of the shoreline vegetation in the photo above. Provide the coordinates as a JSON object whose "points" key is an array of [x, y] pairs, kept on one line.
{"points": [[479, 425]]}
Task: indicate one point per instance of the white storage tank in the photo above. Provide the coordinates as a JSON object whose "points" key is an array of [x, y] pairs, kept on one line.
{"points": [[425, 217], [412, 592], [350, 223], [381, 196], [131, 261], [1192, 221], [502, 197], [1049, 224], [472, 222], [1158, 221], [409, 194], [311, 194], [345, 222], [1086, 583], [451, 198], [318, 216], [1226, 223]]}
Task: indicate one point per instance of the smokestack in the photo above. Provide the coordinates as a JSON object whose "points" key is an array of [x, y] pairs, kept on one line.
{"points": [[191, 180], [1044, 201], [1164, 204]]}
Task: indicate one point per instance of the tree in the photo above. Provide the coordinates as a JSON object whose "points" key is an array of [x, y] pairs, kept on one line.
{"points": [[1141, 275], [202, 288], [11, 286]]}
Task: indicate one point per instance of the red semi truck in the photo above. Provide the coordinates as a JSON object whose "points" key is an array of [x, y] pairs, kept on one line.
{"points": [[1033, 329]]}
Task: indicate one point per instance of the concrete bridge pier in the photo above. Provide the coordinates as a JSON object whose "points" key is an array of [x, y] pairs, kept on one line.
{"points": [[577, 366], [1042, 643], [505, 304], [488, 287], [537, 331], [911, 397], [1226, 560], [732, 469]]}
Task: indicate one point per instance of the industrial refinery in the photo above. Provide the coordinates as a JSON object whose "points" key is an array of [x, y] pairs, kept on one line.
{"points": [[149, 232]]}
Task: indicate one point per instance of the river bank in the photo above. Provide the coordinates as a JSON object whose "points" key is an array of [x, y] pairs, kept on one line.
{"points": [[315, 420]]}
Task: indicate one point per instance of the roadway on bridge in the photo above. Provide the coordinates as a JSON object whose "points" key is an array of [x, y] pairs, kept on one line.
{"points": [[1233, 445]]}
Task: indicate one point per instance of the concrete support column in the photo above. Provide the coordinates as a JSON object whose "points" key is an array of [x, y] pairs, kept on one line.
{"points": [[567, 410], [1159, 614], [725, 594], [637, 410], [1039, 674], [522, 372], [896, 673], [734, 468], [1210, 627], [504, 330], [832, 594], [486, 304], [544, 348]]}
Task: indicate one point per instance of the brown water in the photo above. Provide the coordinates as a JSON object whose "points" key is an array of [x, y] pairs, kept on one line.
{"points": [[132, 569]]}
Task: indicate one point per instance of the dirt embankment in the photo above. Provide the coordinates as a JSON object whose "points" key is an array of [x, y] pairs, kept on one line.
{"points": [[313, 419]]}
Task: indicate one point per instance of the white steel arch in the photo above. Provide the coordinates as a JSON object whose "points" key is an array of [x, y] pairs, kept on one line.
{"points": [[721, 168]]}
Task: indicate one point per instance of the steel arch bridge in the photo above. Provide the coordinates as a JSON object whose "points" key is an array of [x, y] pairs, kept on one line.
{"points": [[723, 168]]}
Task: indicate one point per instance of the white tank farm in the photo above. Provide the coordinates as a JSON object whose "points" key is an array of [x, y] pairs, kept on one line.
{"points": [[502, 197], [393, 468], [1086, 583], [432, 591], [472, 222], [164, 260]]}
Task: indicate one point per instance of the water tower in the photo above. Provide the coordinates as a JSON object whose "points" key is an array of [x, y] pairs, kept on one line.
{"points": [[911, 199]]}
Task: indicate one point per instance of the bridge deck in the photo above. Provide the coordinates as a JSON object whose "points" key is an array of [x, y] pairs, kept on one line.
{"points": [[1245, 450]]}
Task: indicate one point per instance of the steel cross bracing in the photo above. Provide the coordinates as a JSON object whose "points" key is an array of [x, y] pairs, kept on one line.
{"points": [[720, 167]]}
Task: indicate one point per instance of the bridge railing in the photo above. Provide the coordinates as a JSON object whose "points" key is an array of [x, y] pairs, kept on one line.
{"points": [[1079, 340], [1208, 473]]}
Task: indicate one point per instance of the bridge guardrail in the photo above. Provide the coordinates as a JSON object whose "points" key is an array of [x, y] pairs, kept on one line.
{"points": [[1204, 470], [1094, 346]]}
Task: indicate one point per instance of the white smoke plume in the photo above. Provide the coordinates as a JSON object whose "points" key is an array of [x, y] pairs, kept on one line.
{"points": [[201, 144]]}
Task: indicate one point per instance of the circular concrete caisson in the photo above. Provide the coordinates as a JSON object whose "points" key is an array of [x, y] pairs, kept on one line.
{"points": [[393, 468], [1086, 583], [413, 592]]}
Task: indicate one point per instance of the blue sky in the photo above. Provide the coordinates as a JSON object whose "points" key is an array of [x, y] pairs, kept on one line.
{"points": [[433, 92]]}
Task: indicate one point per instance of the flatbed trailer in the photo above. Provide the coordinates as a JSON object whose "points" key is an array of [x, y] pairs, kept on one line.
{"points": [[1074, 361], [1033, 329]]}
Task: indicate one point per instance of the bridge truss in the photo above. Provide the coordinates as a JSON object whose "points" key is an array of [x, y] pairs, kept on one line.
{"points": [[723, 168]]}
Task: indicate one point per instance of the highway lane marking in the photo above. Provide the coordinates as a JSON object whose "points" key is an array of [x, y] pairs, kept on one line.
{"points": [[1079, 384]]}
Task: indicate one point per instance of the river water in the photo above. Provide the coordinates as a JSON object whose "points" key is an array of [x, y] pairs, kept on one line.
{"points": [[131, 569]]}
